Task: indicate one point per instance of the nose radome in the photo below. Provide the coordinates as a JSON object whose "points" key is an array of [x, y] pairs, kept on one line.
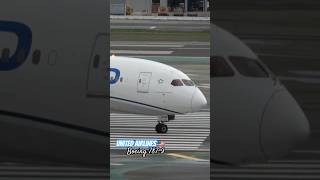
{"points": [[198, 100], [284, 125]]}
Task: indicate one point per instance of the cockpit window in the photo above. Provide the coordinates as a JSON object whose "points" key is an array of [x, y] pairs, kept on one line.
{"points": [[188, 82], [219, 67], [176, 82], [248, 67]]}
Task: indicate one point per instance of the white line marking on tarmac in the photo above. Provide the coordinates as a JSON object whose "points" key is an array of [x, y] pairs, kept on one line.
{"points": [[181, 57], [140, 52], [186, 48], [162, 42], [116, 164], [206, 87], [148, 45], [194, 75]]}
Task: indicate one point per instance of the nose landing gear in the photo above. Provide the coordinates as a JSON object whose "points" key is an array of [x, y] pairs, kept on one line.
{"points": [[161, 127]]}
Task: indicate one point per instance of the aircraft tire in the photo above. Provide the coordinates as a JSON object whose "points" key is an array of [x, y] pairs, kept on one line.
{"points": [[161, 128], [157, 128]]}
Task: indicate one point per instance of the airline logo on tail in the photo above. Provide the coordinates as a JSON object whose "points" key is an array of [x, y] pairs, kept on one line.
{"points": [[8, 60]]}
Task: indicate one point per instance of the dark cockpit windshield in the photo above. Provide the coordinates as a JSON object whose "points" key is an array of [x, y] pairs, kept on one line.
{"points": [[182, 82], [188, 82], [248, 67], [176, 82]]}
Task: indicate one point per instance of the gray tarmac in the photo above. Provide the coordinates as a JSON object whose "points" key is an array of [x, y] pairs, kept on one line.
{"points": [[171, 25], [163, 48]]}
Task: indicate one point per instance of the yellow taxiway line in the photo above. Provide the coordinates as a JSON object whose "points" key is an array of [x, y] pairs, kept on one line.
{"points": [[185, 157]]}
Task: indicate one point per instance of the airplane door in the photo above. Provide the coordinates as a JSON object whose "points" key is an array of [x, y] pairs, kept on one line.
{"points": [[144, 82], [97, 80]]}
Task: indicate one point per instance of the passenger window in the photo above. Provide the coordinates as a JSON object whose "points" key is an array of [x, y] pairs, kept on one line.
{"points": [[176, 82], [36, 57], [219, 67], [188, 82], [248, 67]]}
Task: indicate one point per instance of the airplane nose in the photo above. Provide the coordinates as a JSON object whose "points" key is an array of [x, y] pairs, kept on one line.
{"points": [[284, 125], [198, 100]]}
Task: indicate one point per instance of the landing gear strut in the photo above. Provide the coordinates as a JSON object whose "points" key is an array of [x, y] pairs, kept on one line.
{"points": [[161, 127]]}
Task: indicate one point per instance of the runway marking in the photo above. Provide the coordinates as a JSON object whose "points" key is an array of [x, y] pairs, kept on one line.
{"points": [[181, 57], [140, 52], [204, 86], [195, 43], [116, 164], [186, 157], [148, 45], [186, 132], [195, 75], [185, 48], [176, 58]]}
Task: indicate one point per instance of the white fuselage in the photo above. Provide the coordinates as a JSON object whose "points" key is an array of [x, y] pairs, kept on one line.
{"points": [[145, 87]]}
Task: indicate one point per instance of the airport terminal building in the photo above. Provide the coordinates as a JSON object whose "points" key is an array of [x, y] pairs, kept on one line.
{"points": [[160, 7]]}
